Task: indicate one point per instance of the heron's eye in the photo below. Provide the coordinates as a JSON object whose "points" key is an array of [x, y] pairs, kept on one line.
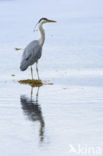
{"points": [[43, 19]]}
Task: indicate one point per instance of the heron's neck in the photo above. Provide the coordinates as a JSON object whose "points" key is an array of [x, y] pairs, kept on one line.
{"points": [[42, 33]]}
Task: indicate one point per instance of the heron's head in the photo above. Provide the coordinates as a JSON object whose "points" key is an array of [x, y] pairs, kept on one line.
{"points": [[45, 20]]}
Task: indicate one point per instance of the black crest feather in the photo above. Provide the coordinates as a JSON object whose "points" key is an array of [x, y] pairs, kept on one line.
{"points": [[42, 19]]}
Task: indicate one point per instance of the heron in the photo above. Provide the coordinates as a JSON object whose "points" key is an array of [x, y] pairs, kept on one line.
{"points": [[33, 51]]}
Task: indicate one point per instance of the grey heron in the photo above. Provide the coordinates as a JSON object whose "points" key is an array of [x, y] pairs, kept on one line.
{"points": [[32, 53]]}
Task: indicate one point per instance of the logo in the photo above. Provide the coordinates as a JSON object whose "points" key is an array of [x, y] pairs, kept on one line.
{"points": [[85, 149]]}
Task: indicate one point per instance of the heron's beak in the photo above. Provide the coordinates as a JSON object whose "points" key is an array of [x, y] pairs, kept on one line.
{"points": [[50, 20]]}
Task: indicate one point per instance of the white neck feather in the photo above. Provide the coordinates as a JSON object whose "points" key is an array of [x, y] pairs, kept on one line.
{"points": [[42, 32]]}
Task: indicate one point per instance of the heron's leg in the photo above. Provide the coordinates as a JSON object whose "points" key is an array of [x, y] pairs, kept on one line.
{"points": [[37, 95], [31, 92], [31, 72], [37, 70]]}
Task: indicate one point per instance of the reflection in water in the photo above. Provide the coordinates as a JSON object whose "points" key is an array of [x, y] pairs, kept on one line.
{"points": [[33, 110]]}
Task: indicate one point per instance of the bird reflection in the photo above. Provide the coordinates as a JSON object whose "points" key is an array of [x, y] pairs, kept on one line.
{"points": [[33, 111]]}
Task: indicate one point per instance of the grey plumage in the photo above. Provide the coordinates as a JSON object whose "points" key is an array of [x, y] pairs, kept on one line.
{"points": [[31, 54], [33, 51]]}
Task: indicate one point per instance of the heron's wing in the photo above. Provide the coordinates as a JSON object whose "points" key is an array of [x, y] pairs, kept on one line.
{"points": [[31, 54], [33, 50]]}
